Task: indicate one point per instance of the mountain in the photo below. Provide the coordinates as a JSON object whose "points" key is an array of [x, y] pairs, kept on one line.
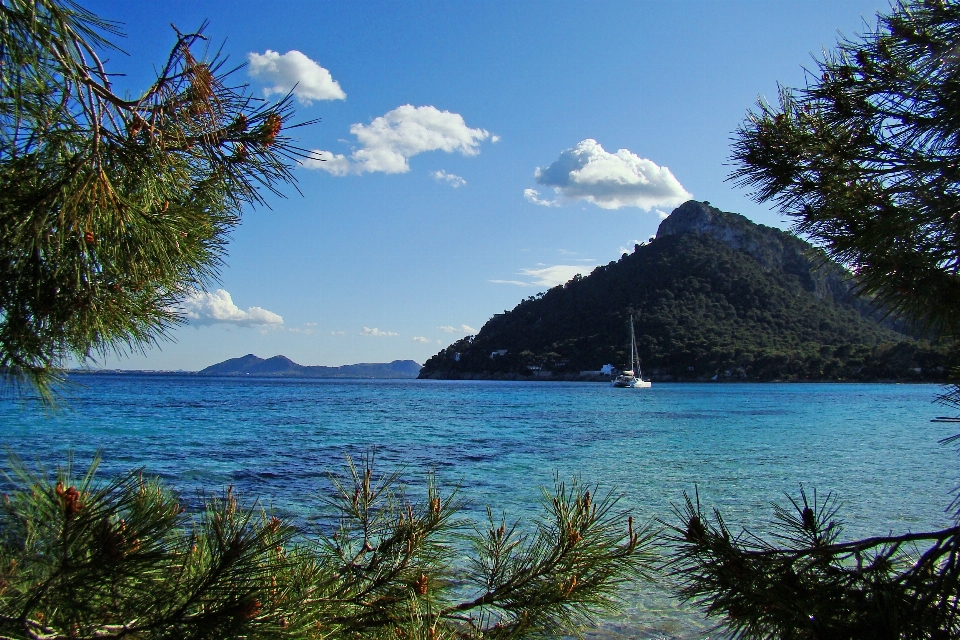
{"points": [[714, 294], [281, 366]]}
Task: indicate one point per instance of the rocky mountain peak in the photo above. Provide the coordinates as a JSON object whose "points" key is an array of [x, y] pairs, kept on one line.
{"points": [[772, 248], [693, 217], [766, 244]]}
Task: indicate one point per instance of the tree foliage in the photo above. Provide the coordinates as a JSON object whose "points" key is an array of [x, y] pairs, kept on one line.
{"points": [[112, 209], [83, 559]]}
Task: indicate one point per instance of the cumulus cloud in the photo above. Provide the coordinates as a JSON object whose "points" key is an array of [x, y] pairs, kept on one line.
{"points": [[367, 331], [452, 179], [337, 333], [293, 71], [495, 139], [204, 308], [387, 143], [609, 180], [462, 329], [420, 339]]}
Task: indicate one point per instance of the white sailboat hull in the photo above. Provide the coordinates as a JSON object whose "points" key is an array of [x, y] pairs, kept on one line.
{"points": [[631, 379], [621, 383]]}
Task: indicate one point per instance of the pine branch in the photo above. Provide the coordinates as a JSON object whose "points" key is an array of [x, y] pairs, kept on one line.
{"points": [[861, 545]]}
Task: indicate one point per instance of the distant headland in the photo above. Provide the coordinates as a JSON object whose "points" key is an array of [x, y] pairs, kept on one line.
{"points": [[284, 367]]}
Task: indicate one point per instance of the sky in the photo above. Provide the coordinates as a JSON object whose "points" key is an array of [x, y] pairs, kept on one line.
{"points": [[469, 154]]}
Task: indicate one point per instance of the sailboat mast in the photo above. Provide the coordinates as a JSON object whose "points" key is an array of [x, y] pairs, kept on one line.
{"points": [[633, 344]]}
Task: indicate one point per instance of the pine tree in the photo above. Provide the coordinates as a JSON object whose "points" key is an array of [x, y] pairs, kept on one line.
{"points": [[112, 209], [865, 158], [81, 559]]}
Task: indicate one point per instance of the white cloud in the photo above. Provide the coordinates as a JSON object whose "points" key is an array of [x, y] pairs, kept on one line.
{"points": [[390, 140], [516, 282], [337, 333], [452, 179], [462, 329], [367, 331], [662, 214], [420, 339], [495, 139], [294, 71], [204, 307], [532, 195], [609, 180], [551, 276]]}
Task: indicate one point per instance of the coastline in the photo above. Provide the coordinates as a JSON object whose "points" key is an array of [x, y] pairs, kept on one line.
{"points": [[577, 377], [506, 377]]}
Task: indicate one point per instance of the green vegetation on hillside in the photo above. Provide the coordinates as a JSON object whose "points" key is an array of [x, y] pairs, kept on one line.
{"points": [[701, 308]]}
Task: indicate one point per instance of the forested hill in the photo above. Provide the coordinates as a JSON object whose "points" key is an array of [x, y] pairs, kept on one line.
{"points": [[712, 294]]}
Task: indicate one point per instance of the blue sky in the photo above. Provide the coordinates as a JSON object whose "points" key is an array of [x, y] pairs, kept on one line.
{"points": [[477, 153]]}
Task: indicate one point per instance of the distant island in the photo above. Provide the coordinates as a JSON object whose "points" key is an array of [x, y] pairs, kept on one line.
{"points": [[282, 366], [714, 297]]}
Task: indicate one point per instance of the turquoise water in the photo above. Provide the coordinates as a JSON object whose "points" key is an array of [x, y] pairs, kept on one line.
{"points": [[742, 445]]}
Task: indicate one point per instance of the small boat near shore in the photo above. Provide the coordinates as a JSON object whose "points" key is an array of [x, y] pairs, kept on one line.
{"points": [[632, 377]]}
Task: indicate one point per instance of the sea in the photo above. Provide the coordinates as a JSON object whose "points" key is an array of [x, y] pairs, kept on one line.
{"points": [[740, 447]]}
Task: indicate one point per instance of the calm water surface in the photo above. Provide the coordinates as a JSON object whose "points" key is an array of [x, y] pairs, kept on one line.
{"points": [[742, 445]]}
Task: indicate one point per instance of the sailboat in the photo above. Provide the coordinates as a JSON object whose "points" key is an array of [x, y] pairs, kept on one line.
{"points": [[630, 379]]}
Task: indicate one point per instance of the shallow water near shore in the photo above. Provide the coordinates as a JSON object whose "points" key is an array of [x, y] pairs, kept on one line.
{"points": [[741, 445]]}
